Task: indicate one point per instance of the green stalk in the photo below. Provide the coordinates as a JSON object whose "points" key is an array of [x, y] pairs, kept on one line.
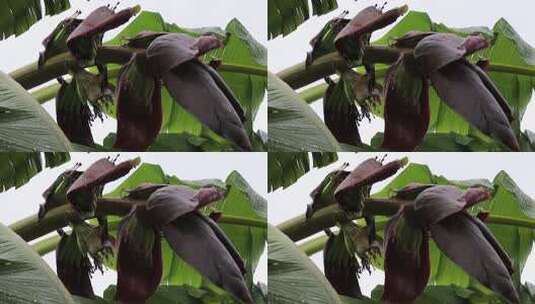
{"points": [[299, 227], [317, 92], [32, 228], [31, 76], [298, 76], [48, 93], [49, 244], [317, 244]]}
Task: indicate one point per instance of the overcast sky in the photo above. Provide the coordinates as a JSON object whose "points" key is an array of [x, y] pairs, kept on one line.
{"points": [[287, 51], [454, 166], [20, 203], [24, 49]]}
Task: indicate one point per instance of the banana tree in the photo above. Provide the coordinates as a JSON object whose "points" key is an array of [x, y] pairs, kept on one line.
{"points": [[437, 240], [437, 88], [169, 88], [168, 239]]}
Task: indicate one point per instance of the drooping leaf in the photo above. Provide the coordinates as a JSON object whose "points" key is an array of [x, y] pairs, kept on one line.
{"points": [[250, 241], [287, 111], [293, 277], [509, 48], [25, 276], [241, 48], [24, 124]]}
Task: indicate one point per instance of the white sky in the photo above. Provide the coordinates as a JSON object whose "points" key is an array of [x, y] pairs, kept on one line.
{"points": [[287, 51], [22, 50], [17, 204], [453, 166]]}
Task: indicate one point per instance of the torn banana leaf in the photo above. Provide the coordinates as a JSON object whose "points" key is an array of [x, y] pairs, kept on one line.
{"points": [[406, 107], [197, 87], [139, 261], [139, 106]]}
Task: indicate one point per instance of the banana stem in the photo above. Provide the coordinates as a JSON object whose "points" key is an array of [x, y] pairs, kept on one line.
{"points": [[32, 228], [31, 76], [48, 245]]}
